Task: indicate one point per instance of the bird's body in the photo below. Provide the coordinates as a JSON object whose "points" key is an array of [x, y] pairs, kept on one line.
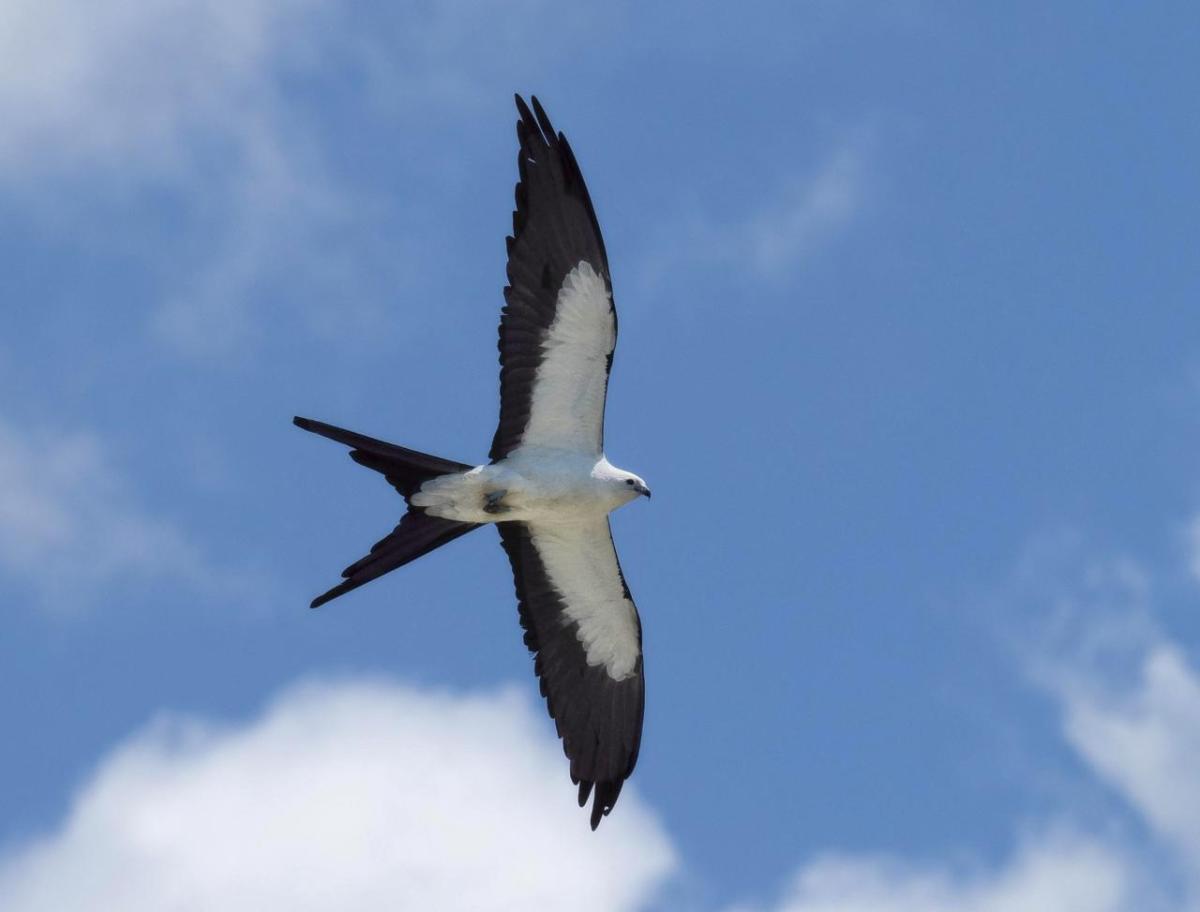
{"points": [[548, 488], [531, 486]]}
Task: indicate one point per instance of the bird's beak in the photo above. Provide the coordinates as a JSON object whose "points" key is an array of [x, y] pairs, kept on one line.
{"points": [[643, 490]]}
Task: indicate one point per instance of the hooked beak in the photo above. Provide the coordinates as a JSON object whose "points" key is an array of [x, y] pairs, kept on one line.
{"points": [[643, 490]]}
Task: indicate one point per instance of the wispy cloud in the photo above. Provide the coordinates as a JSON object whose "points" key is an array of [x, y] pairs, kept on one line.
{"points": [[1055, 872], [287, 246], [194, 101], [1130, 705], [131, 87], [350, 796], [71, 526], [103, 102], [362, 794], [1128, 700], [805, 211], [1144, 742], [808, 212]]}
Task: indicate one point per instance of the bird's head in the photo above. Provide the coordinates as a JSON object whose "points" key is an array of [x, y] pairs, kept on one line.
{"points": [[623, 486], [633, 486]]}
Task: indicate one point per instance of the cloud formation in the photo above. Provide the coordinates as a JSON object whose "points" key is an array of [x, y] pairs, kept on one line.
{"points": [[342, 796], [129, 85], [1057, 872], [183, 103], [69, 525], [367, 794], [804, 211], [807, 212], [151, 87], [1128, 700], [193, 103]]}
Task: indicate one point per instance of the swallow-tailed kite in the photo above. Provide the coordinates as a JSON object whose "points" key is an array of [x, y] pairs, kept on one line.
{"points": [[548, 488]]}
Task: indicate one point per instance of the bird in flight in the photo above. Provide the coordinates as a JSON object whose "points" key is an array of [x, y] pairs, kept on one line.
{"points": [[548, 488]]}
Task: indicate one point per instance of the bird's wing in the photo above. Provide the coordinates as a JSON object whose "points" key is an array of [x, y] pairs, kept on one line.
{"points": [[558, 327], [583, 629]]}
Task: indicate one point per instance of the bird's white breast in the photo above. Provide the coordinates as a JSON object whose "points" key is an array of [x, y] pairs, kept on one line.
{"points": [[528, 486]]}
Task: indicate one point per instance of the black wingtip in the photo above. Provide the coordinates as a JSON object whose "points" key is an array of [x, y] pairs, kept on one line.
{"points": [[543, 119], [602, 803], [523, 108], [340, 589], [303, 423], [325, 597], [535, 119]]}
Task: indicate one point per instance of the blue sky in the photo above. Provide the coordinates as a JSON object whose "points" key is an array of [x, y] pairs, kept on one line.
{"points": [[910, 356]]}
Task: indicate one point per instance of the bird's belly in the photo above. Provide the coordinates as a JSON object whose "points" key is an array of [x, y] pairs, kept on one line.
{"points": [[497, 494], [554, 501]]}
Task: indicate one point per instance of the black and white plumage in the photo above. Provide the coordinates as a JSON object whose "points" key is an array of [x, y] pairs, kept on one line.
{"points": [[548, 488]]}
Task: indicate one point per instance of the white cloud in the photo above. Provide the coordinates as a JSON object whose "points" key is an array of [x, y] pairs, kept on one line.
{"points": [[808, 212], [371, 795], [351, 796], [1129, 705], [132, 85], [187, 99], [1144, 742], [804, 212], [69, 524], [1058, 872], [287, 245], [194, 100], [127, 85], [1128, 696]]}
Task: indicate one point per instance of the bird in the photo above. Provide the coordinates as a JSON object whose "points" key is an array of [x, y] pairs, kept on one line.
{"points": [[548, 487]]}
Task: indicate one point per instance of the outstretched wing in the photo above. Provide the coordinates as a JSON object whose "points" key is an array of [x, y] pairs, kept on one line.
{"points": [[583, 628], [558, 327]]}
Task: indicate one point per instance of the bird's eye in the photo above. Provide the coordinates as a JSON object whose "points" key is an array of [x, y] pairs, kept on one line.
{"points": [[628, 481]]}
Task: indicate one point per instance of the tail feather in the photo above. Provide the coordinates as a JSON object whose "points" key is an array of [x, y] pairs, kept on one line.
{"points": [[405, 469], [417, 533]]}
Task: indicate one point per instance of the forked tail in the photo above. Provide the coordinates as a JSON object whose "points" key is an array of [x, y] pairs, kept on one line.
{"points": [[417, 533]]}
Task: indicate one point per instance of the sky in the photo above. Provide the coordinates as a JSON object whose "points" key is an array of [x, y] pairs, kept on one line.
{"points": [[910, 356]]}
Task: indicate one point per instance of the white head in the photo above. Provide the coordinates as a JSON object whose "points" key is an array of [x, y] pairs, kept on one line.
{"points": [[625, 486]]}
